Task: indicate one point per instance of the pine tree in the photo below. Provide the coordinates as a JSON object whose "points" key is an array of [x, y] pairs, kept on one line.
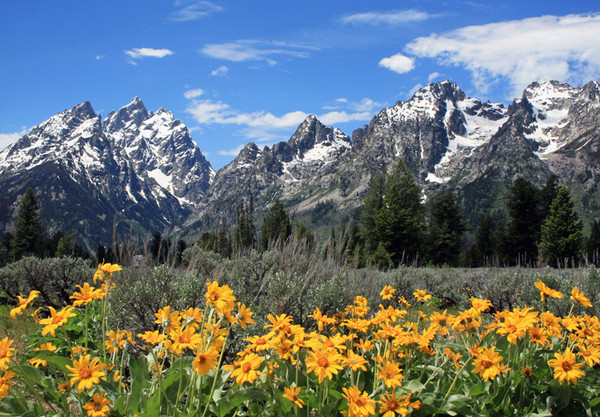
{"points": [[27, 233], [592, 244], [276, 227], [373, 202], [561, 232], [400, 221], [65, 245], [524, 224], [244, 232], [547, 195], [484, 240], [446, 230]]}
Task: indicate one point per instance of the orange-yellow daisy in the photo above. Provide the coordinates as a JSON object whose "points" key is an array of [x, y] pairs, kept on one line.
{"points": [[86, 373], [98, 406]]}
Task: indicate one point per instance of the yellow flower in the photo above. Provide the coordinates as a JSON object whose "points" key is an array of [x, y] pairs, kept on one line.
{"points": [[421, 295], [391, 374], [98, 406], [85, 372], [324, 363], [116, 340], [6, 382], [46, 346], [245, 370], [454, 357], [221, 297], [184, 339], [387, 293], [38, 362], [205, 361], [578, 297], [86, 295], [6, 353], [355, 362], [359, 404], [23, 303], [106, 269], [590, 354], [391, 405], [244, 315], [565, 367], [546, 291], [152, 338], [56, 320], [487, 363], [291, 394], [78, 351]]}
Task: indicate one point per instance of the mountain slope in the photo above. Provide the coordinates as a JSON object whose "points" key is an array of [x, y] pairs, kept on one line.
{"points": [[137, 170]]}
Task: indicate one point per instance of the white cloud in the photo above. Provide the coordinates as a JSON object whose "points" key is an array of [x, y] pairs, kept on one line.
{"points": [[433, 76], [190, 94], [395, 17], [231, 152], [253, 50], [414, 89], [140, 53], [398, 63], [219, 72], [10, 138], [193, 10], [564, 48], [99, 57]]}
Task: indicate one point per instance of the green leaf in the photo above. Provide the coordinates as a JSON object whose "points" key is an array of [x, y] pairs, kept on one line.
{"points": [[477, 389], [413, 385], [55, 359], [236, 398]]}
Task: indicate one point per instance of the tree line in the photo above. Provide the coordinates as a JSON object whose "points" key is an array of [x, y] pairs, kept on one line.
{"points": [[396, 225]]}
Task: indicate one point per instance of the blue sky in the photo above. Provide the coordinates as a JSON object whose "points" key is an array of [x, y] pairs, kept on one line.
{"points": [[239, 71]]}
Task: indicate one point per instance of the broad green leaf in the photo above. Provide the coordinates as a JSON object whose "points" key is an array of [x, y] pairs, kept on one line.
{"points": [[477, 389]]}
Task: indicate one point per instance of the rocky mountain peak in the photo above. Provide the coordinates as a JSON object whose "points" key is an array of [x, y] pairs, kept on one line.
{"points": [[130, 116]]}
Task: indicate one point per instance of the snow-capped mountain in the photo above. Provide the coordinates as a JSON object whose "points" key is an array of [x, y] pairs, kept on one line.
{"points": [[135, 169], [445, 138], [263, 174]]}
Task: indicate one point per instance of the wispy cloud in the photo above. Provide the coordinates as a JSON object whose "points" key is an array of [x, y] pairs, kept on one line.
{"points": [[190, 94], [393, 17], [10, 138], [140, 53], [398, 63], [255, 50], [219, 72], [265, 127], [549, 47], [192, 10]]}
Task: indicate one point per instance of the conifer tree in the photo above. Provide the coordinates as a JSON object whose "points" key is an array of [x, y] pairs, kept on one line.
{"points": [[446, 229], [561, 232], [484, 239], [27, 233], [244, 232], [373, 202], [523, 227], [276, 227], [400, 221], [592, 244]]}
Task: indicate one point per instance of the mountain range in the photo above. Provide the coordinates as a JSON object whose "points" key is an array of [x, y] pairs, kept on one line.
{"points": [[137, 171]]}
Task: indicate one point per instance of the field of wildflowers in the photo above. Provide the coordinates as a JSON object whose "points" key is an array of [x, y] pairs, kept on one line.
{"points": [[401, 357]]}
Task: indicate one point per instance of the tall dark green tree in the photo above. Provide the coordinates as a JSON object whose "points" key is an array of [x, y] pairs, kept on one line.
{"points": [[276, 227], [27, 232], [373, 202], [446, 230], [484, 241], [399, 223], [546, 196], [561, 232], [592, 244], [244, 233], [524, 224]]}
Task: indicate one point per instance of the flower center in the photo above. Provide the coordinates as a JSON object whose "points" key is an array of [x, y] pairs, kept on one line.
{"points": [[97, 406], [56, 319], [246, 367], [323, 362], [85, 373], [566, 365], [486, 364]]}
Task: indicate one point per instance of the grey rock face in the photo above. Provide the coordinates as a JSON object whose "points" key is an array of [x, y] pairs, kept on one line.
{"points": [[136, 169]]}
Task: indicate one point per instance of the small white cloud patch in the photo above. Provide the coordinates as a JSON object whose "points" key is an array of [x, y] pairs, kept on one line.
{"points": [[398, 63]]}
